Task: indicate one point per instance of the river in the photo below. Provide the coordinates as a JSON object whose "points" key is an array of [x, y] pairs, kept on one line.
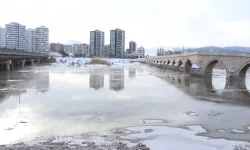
{"points": [[49, 101]]}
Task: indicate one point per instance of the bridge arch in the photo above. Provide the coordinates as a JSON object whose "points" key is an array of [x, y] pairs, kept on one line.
{"points": [[168, 62], [188, 66], [173, 63], [208, 67], [180, 63], [243, 69]]}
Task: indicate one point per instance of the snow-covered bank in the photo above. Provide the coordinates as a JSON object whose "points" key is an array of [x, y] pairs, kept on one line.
{"points": [[83, 62], [152, 137]]}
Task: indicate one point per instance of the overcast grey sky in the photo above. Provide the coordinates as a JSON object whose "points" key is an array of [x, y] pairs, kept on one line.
{"points": [[151, 23]]}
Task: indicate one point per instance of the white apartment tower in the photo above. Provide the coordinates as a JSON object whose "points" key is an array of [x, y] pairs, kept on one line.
{"points": [[42, 39], [31, 40], [117, 43], [2, 37], [15, 36], [96, 43]]}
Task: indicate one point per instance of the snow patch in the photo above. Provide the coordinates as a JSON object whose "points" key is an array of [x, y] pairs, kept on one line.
{"points": [[84, 62]]}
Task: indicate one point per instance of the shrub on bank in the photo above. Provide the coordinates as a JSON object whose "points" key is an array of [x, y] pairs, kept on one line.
{"points": [[97, 60]]}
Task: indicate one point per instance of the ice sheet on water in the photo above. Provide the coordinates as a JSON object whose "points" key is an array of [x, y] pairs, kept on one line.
{"points": [[238, 131], [197, 129], [154, 121], [223, 131], [214, 113], [162, 138], [191, 113]]}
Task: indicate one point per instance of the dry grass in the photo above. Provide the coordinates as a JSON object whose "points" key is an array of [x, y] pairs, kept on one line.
{"points": [[97, 60]]}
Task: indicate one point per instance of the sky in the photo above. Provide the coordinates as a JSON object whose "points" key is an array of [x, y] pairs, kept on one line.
{"points": [[151, 23]]}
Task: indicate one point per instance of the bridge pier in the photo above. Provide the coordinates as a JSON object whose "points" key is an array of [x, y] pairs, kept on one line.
{"points": [[5, 65], [30, 61], [22, 62], [12, 66], [37, 61]]}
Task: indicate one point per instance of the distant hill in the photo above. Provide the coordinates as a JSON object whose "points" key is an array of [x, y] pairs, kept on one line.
{"points": [[153, 51], [220, 49], [72, 42]]}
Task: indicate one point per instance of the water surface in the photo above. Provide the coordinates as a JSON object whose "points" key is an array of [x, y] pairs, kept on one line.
{"points": [[44, 101]]}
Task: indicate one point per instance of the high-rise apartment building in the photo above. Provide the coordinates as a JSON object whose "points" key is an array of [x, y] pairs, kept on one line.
{"points": [[132, 47], [31, 40], [117, 43], [15, 36], [42, 39], [96, 43], [2, 37]]}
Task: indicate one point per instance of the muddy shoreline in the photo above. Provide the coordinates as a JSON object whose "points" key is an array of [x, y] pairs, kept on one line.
{"points": [[49, 145]]}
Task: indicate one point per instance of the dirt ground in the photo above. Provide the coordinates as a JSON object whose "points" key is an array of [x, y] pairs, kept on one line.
{"points": [[72, 146]]}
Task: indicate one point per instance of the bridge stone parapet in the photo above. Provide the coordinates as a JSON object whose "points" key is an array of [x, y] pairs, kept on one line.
{"points": [[202, 63]]}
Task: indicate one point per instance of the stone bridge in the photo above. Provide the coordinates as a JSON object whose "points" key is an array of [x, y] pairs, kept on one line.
{"points": [[202, 63], [11, 58]]}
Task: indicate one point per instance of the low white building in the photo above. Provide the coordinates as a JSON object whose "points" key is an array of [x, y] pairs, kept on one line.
{"points": [[69, 48], [141, 52], [106, 51]]}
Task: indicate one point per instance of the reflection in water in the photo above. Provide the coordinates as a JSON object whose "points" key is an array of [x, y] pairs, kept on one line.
{"points": [[132, 72], [116, 79], [96, 80], [233, 90], [219, 78], [248, 79], [81, 110], [42, 81], [16, 83]]}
